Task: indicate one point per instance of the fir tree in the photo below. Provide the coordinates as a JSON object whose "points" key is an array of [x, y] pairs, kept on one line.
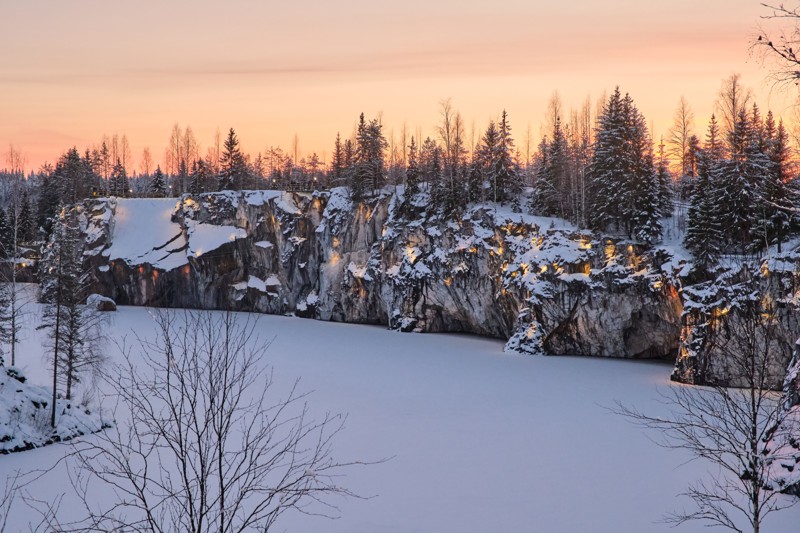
{"points": [[25, 222], [6, 235], [369, 166], [71, 326], [118, 183], [507, 182], [412, 172], [232, 164], [338, 165], [624, 188], [158, 185], [777, 192]]}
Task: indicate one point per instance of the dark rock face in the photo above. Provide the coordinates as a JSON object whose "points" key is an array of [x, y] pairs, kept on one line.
{"points": [[547, 289]]}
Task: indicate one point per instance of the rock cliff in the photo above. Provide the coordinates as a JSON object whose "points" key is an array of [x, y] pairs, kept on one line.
{"points": [[542, 284]]}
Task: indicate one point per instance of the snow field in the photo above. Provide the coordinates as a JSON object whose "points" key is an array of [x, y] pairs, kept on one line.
{"points": [[477, 440]]}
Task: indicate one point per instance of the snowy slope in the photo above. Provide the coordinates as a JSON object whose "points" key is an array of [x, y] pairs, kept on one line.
{"points": [[480, 441], [143, 232]]}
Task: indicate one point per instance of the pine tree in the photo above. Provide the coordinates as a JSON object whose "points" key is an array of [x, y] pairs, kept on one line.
{"points": [[369, 166], [607, 173], [71, 325], [338, 165], [484, 162], [25, 222], [118, 183], [544, 189], [507, 182], [232, 164], [158, 185], [6, 235], [412, 173], [777, 188], [704, 234], [664, 181], [552, 189], [624, 188], [645, 194]]}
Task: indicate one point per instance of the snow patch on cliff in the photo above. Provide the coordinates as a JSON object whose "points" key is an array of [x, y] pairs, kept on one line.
{"points": [[143, 232], [204, 238]]}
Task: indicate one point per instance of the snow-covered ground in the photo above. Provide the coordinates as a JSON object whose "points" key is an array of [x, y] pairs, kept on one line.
{"points": [[480, 441]]}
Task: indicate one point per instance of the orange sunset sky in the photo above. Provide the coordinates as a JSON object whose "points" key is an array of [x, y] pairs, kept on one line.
{"points": [[72, 71]]}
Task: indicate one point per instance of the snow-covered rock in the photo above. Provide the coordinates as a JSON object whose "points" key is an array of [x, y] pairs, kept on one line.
{"points": [[539, 282], [25, 415], [101, 303]]}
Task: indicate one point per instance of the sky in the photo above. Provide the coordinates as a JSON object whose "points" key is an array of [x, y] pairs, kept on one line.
{"points": [[71, 72]]}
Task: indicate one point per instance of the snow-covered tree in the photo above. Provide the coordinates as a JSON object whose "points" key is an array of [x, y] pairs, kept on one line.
{"points": [[232, 164], [704, 233], [505, 179], [158, 184], [70, 325], [368, 159], [624, 187]]}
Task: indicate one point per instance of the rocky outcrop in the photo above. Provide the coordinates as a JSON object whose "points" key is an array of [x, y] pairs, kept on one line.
{"points": [[539, 282]]}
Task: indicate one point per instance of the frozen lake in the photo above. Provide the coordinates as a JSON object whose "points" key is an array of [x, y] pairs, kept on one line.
{"points": [[480, 441]]}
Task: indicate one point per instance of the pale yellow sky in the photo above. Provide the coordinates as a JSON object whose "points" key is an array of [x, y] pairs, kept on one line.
{"points": [[72, 71]]}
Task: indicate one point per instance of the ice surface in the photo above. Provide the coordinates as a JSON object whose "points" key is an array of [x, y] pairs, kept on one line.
{"points": [[479, 440]]}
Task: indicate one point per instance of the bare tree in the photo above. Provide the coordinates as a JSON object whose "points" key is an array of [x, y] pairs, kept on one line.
{"points": [[208, 445], [729, 428], [781, 49], [146, 164], [733, 99], [679, 138]]}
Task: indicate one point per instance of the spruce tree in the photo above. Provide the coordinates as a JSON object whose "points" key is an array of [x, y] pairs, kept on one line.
{"points": [[118, 185], [25, 221], [624, 190], [607, 173], [71, 326], [158, 185], [778, 194], [232, 164], [704, 233], [412, 173], [6, 235], [338, 165], [369, 166], [507, 181]]}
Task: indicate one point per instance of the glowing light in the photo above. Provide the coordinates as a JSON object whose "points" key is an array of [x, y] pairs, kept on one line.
{"points": [[543, 269], [448, 281]]}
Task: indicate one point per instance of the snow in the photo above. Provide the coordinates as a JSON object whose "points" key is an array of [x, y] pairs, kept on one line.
{"points": [[477, 440], [143, 232], [264, 244], [283, 200], [25, 415], [204, 238]]}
